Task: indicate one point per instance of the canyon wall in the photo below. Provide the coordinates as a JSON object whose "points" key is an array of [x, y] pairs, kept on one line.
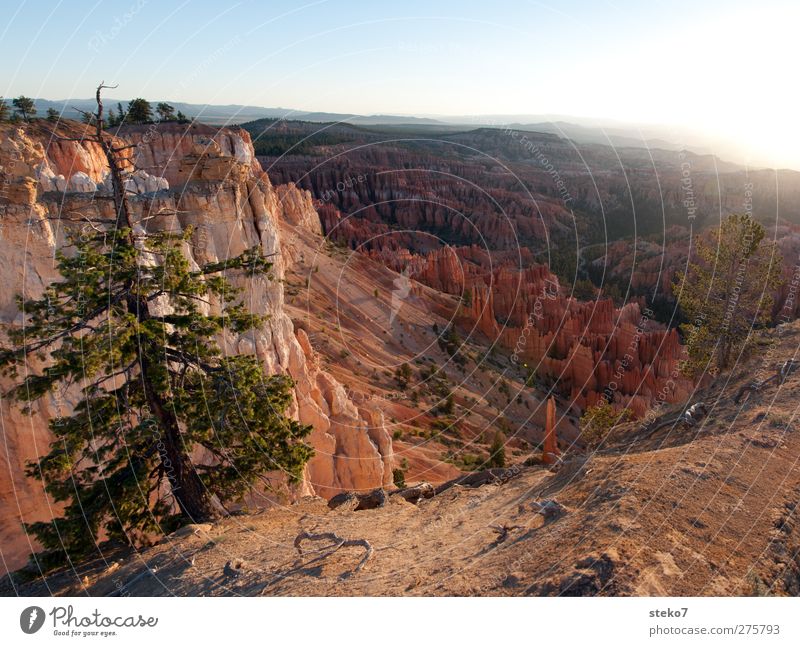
{"points": [[183, 176]]}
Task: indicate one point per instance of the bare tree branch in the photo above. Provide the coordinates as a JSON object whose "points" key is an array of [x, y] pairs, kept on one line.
{"points": [[337, 543]]}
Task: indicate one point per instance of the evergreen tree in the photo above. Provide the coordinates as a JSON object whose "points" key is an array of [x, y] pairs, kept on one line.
{"points": [[155, 390], [181, 118], [139, 111], [165, 112], [120, 114], [53, 115], [399, 478], [4, 110], [24, 107], [497, 451], [727, 292]]}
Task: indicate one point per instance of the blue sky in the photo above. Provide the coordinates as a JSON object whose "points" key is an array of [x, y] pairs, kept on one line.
{"points": [[725, 68]]}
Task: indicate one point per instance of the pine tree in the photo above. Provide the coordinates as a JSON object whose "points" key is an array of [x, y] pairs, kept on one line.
{"points": [[181, 118], [727, 292], [139, 111], [155, 390], [4, 110], [24, 107], [53, 115], [165, 112]]}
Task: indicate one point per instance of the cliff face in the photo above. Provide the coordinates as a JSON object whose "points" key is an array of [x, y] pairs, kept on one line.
{"points": [[201, 177]]}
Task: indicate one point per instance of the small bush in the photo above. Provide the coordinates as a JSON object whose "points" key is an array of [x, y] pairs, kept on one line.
{"points": [[597, 421], [403, 374], [448, 405], [778, 420], [497, 451]]}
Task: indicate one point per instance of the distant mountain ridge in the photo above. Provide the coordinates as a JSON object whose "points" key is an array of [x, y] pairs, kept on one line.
{"points": [[231, 114], [580, 130]]}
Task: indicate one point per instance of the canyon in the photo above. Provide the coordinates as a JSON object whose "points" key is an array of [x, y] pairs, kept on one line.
{"points": [[429, 292]]}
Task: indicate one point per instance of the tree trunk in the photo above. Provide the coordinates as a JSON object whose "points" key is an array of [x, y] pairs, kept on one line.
{"points": [[191, 495]]}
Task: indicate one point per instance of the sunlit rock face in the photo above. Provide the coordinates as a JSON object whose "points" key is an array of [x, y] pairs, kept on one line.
{"points": [[190, 176]]}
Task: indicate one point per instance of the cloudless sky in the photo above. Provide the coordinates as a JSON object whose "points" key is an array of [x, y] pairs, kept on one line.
{"points": [[723, 68]]}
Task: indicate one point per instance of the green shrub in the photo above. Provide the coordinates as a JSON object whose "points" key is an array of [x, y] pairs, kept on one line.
{"points": [[497, 451], [597, 421]]}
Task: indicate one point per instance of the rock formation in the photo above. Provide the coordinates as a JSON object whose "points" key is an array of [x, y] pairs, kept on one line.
{"points": [[198, 177], [550, 450], [583, 348]]}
